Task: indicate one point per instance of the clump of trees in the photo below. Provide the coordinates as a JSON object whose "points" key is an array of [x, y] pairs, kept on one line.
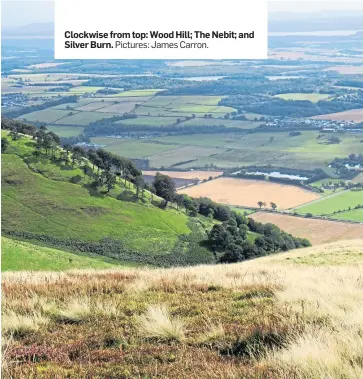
{"points": [[231, 243], [17, 126], [110, 167], [341, 165]]}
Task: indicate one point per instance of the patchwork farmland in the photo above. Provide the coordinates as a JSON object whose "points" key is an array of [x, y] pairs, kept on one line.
{"points": [[245, 192]]}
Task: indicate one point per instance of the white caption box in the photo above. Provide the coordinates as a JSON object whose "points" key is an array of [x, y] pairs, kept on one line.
{"points": [[181, 21]]}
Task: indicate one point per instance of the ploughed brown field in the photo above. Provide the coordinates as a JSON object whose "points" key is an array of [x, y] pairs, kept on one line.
{"points": [[248, 193], [316, 231], [201, 175], [351, 115]]}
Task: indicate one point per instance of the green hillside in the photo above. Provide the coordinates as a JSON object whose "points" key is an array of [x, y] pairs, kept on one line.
{"points": [[41, 202], [24, 256]]}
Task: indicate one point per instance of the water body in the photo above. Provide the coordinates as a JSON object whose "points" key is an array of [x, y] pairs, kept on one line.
{"points": [[275, 174]]}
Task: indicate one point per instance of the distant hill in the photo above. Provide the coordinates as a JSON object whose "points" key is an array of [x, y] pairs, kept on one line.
{"points": [[32, 30]]}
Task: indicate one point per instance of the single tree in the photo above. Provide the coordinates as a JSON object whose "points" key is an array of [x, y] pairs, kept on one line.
{"points": [[108, 179], [273, 205], [260, 204], [139, 184], [164, 187]]}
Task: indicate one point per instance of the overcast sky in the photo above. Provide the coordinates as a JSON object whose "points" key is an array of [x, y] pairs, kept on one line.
{"points": [[23, 12]]}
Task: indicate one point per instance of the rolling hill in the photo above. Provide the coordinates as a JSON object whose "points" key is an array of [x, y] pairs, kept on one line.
{"points": [[55, 204]]}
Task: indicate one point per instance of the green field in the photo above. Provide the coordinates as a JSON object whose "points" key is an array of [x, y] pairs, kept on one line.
{"points": [[149, 121], [159, 154], [234, 149], [313, 97], [83, 118], [152, 110], [200, 121], [282, 150], [354, 215], [46, 115], [132, 148], [338, 202], [183, 106], [84, 89], [94, 105], [181, 154], [66, 131], [141, 92], [243, 211], [24, 256]]}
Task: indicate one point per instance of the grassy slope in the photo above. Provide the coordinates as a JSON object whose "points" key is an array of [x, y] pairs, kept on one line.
{"points": [[292, 315], [20, 256], [37, 197]]}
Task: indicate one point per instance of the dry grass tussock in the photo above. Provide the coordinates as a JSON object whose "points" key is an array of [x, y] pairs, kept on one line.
{"points": [[285, 316], [157, 323]]}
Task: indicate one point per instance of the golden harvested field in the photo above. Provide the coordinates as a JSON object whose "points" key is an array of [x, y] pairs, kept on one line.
{"points": [[247, 192], [201, 175], [317, 231], [351, 115]]}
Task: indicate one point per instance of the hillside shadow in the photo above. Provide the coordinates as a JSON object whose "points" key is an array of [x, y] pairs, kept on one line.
{"points": [[127, 196], [92, 191]]}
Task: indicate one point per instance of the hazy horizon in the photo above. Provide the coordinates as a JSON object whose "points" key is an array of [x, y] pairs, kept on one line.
{"points": [[41, 11]]}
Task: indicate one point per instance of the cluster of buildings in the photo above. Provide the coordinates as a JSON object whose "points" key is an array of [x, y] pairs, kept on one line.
{"points": [[328, 126]]}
